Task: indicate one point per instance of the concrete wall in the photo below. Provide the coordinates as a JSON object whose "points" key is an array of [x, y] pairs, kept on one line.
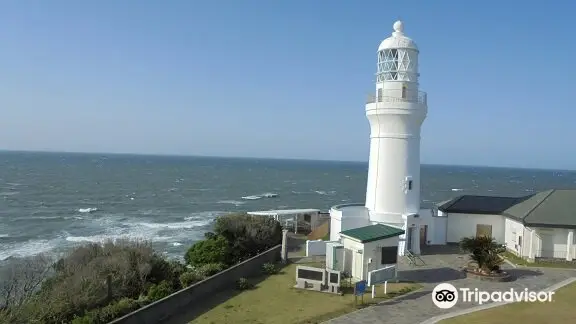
{"points": [[464, 225], [317, 247], [187, 298]]}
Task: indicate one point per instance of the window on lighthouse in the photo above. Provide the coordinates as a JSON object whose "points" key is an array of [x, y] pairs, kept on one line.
{"points": [[395, 64]]}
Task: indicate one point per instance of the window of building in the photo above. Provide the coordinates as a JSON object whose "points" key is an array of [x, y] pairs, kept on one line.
{"points": [[380, 95], [404, 90], [409, 184], [389, 255]]}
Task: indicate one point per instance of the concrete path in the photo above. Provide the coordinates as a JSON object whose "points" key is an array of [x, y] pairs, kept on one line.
{"points": [[417, 307], [439, 318]]}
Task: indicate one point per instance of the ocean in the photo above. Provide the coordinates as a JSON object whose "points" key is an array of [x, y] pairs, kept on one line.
{"points": [[50, 202]]}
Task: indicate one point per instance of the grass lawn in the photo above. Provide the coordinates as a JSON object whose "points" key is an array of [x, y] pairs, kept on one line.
{"points": [[519, 261], [275, 301], [560, 310]]}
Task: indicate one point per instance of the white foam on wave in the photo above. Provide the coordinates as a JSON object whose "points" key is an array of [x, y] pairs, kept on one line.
{"points": [[178, 225], [9, 193], [252, 197], [232, 202], [116, 227], [260, 196], [102, 238], [27, 249], [4, 235], [325, 193], [87, 210], [457, 189]]}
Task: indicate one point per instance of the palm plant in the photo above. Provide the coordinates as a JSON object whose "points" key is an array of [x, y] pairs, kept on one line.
{"points": [[485, 251]]}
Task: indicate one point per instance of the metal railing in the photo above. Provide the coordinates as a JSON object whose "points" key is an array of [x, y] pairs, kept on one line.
{"points": [[413, 259], [421, 98]]}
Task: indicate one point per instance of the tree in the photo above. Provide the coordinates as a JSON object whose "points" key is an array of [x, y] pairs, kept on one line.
{"points": [[248, 235], [215, 249], [485, 251], [79, 282], [19, 281]]}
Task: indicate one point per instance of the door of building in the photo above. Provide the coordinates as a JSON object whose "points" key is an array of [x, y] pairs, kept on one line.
{"points": [[483, 230]]}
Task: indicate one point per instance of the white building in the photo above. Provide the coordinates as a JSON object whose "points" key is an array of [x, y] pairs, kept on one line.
{"points": [[364, 249], [535, 226], [395, 114]]}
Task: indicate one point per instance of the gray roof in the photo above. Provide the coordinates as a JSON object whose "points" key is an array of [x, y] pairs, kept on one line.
{"points": [[551, 208]]}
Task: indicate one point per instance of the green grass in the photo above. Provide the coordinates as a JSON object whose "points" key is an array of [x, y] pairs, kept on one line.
{"points": [[560, 310], [275, 301], [522, 262]]}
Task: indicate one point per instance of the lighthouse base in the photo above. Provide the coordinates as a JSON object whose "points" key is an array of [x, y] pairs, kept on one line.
{"points": [[410, 240]]}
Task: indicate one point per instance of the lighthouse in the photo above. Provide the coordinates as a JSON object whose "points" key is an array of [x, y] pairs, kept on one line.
{"points": [[395, 113]]}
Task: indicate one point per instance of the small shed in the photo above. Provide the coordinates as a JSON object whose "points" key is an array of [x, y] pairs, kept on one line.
{"points": [[369, 248]]}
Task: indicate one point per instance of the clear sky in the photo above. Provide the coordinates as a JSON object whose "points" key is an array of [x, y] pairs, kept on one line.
{"points": [[285, 78]]}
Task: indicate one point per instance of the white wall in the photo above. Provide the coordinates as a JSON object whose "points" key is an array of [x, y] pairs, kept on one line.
{"points": [[436, 227], [369, 250], [513, 235], [335, 228], [345, 217], [551, 242], [353, 247], [317, 247], [464, 225]]}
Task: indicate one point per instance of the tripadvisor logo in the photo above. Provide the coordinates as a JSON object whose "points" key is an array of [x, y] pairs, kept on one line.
{"points": [[445, 296]]}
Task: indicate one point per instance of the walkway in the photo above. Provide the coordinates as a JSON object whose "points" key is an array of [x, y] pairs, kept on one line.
{"points": [[417, 307]]}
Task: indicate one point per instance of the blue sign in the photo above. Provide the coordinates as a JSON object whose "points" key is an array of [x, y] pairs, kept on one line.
{"points": [[360, 288]]}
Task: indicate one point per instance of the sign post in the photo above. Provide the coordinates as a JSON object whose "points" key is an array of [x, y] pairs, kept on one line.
{"points": [[359, 290]]}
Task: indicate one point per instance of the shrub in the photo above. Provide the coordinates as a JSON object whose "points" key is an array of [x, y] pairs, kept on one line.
{"points": [[189, 278], [248, 235], [244, 284], [78, 282], [159, 291], [485, 251], [270, 268], [210, 269], [108, 313], [211, 250]]}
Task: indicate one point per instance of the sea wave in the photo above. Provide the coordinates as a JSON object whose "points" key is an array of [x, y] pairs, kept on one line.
{"points": [[260, 196], [26, 249], [457, 189], [232, 202], [318, 192], [9, 193], [116, 227], [325, 193], [87, 210]]}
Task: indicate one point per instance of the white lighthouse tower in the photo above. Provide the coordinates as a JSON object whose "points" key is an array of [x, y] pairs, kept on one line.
{"points": [[395, 114]]}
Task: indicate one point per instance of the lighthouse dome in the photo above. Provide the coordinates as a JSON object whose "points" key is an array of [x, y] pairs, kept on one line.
{"points": [[398, 39]]}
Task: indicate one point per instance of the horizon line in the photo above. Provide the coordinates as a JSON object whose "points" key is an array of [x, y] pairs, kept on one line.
{"points": [[267, 158]]}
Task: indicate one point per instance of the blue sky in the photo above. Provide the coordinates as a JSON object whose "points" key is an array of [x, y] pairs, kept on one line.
{"points": [[285, 78]]}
